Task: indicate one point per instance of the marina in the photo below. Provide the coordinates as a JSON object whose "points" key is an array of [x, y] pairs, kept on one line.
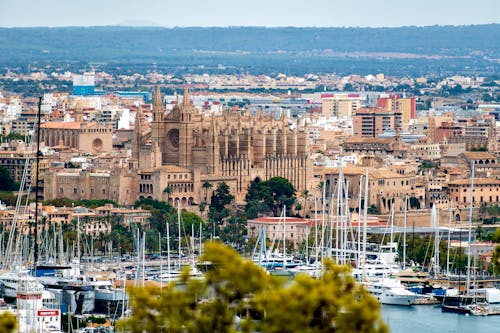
{"points": [[430, 319]]}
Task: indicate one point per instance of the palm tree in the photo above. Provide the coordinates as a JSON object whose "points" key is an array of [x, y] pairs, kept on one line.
{"points": [[168, 191], [305, 196], [206, 186], [202, 207]]}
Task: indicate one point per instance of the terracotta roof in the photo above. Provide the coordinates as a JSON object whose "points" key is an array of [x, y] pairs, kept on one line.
{"points": [[167, 168], [61, 125], [372, 172], [385, 173], [479, 155], [477, 181], [369, 140]]}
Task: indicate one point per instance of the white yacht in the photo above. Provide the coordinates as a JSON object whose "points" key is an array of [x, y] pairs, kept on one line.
{"points": [[175, 274], [390, 291], [10, 282], [313, 270], [375, 269]]}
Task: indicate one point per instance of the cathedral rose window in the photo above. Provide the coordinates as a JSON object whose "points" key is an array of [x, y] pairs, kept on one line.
{"points": [[173, 138]]}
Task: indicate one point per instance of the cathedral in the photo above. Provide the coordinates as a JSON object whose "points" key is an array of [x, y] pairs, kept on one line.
{"points": [[186, 153]]}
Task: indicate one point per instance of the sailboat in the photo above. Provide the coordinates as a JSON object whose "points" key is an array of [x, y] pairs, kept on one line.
{"points": [[173, 275], [470, 302]]}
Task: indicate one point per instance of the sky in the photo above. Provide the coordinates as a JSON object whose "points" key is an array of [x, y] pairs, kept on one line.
{"points": [[320, 13]]}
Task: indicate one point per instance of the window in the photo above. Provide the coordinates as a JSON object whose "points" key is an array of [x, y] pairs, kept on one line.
{"points": [[74, 190]]}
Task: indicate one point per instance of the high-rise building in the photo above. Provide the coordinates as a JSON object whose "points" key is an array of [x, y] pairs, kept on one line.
{"points": [[371, 122], [341, 106], [407, 106]]}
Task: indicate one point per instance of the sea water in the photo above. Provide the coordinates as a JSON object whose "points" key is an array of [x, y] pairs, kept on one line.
{"points": [[430, 319]]}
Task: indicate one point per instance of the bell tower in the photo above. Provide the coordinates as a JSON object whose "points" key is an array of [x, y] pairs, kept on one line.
{"points": [[186, 127]]}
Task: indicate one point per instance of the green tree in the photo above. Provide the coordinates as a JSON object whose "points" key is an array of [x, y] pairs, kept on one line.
{"points": [[221, 197], [414, 203], [234, 231], [283, 193], [237, 288], [168, 190], [59, 202], [496, 252], [6, 181], [206, 186], [218, 210], [258, 198], [122, 238], [270, 196]]}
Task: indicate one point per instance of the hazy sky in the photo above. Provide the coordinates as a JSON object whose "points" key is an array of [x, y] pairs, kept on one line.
{"points": [[168, 13]]}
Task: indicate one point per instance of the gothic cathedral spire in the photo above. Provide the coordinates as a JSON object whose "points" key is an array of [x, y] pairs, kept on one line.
{"points": [[158, 110]]}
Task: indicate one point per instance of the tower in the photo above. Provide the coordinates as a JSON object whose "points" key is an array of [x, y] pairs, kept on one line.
{"points": [[156, 129], [137, 139], [186, 131]]}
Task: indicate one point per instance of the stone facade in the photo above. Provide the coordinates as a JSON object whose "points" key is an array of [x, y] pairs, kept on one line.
{"points": [[89, 137], [486, 191], [234, 148]]}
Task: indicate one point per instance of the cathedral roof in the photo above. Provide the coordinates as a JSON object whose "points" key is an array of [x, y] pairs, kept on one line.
{"points": [[167, 168], [61, 125], [479, 155]]}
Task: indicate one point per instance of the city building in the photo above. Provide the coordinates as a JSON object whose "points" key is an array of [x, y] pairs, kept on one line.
{"points": [[295, 230], [234, 148], [371, 122], [339, 105], [486, 191]]}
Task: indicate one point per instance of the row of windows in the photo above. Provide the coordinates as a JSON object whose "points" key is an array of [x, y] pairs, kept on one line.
{"points": [[181, 176], [481, 199], [146, 188], [382, 182], [481, 190], [75, 190]]}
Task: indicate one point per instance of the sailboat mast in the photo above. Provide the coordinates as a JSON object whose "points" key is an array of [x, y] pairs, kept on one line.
{"points": [[365, 217], [359, 223], [35, 255], [404, 232], [449, 239], [469, 236], [284, 236], [179, 227], [168, 250]]}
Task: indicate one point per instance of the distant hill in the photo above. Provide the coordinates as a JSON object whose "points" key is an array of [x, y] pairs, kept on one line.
{"points": [[404, 49]]}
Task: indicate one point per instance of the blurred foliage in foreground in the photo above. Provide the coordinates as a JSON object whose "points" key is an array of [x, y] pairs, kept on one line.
{"points": [[238, 296]]}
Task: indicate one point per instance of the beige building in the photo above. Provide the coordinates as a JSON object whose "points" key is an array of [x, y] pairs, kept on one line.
{"points": [[295, 230], [119, 185], [386, 187], [486, 191], [371, 122], [340, 106], [83, 136], [424, 151]]}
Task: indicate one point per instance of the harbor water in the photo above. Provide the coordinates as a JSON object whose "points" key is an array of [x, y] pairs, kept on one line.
{"points": [[430, 319]]}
